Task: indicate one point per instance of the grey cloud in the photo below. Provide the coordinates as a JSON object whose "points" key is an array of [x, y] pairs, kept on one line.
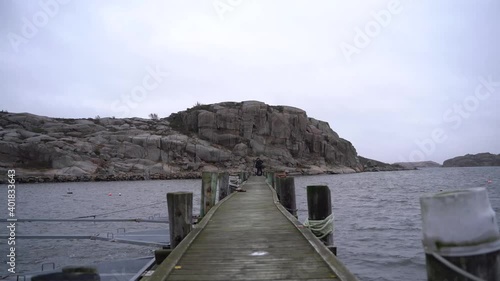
{"points": [[386, 100]]}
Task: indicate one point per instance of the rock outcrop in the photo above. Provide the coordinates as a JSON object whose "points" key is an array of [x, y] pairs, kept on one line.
{"points": [[370, 165], [473, 160], [418, 165], [206, 137]]}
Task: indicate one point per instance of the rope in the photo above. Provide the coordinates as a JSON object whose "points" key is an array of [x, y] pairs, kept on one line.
{"points": [[456, 268], [109, 213], [320, 228], [88, 220]]}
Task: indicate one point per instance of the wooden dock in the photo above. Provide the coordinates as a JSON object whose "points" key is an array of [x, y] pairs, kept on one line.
{"points": [[250, 236]]}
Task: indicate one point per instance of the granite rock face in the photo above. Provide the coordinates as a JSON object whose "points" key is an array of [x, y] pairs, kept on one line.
{"points": [[223, 136], [473, 160]]}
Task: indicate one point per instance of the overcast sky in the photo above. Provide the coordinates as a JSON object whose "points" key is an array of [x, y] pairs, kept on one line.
{"points": [[401, 80]]}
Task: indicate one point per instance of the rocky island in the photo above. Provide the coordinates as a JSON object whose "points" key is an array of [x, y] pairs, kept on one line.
{"points": [[418, 165], [228, 135], [370, 165], [473, 160]]}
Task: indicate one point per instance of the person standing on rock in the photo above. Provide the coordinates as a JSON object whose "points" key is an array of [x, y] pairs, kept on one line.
{"points": [[259, 164]]}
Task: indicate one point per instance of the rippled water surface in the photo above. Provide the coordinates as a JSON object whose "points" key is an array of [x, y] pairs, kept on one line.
{"points": [[377, 217]]}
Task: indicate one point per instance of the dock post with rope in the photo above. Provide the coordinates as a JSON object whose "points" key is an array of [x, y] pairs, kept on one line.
{"points": [[320, 216], [460, 236]]}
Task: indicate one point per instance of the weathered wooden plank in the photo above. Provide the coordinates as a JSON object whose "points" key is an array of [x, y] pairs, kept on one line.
{"points": [[246, 276], [208, 270]]}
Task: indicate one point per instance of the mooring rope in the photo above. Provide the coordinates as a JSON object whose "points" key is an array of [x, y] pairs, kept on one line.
{"points": [[88, 220], [320, 228], [125, 210], [455, 268]]}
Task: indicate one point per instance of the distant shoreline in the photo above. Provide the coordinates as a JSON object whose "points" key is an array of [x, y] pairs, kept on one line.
{"points": [[178, 176], [181, 176]]}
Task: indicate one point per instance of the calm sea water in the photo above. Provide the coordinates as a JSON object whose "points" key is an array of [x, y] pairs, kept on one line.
{"points": [[377, 217]]}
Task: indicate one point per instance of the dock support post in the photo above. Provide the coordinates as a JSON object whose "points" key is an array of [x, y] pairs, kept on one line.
{"points": [[270, 178], [460, 236], [215, 188], [319, 207], [223, 185], [180, 216], [208, 191], [161, 255], [286, 188], [275, 183], [242, 176]]}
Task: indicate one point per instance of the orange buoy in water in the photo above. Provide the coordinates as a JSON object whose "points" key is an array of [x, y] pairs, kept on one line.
{"points": [[109, 194]]}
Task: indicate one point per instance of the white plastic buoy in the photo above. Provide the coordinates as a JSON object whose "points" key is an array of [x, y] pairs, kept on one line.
{"points": [[459, 223]]}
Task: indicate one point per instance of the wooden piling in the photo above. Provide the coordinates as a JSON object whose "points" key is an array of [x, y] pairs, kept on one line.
{"points": [[483, 266], [460, 236], [278, 190], [161, 255], [319, 206], [215, 187], [208, 191], [180, 216], [270, 178], [286, 187], [224, 189]]}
